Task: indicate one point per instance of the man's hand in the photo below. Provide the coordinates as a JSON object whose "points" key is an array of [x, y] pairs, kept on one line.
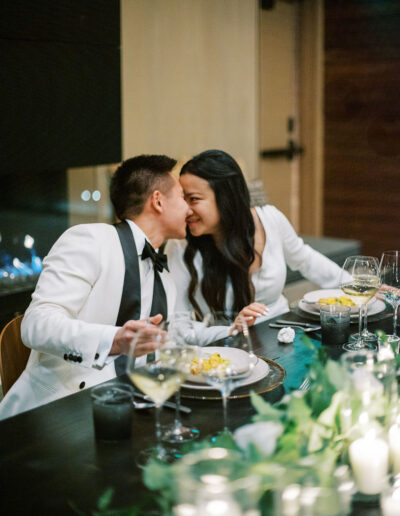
{"points": [[147, 342]]}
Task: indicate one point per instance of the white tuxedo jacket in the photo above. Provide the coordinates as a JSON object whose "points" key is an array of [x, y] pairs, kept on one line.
{"points": [[76, 300]]}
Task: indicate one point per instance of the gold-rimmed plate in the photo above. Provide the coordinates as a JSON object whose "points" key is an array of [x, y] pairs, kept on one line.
{"points": [[273, 378]]}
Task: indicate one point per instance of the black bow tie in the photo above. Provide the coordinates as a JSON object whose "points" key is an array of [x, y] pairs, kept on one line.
{"points": [[159, 260]]}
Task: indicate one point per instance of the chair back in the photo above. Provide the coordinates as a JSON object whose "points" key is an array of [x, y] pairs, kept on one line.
{"points": [[13, 353]]}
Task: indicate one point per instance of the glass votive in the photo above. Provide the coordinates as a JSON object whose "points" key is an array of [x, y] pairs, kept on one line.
{"points": [[335, 324], [390, 498], [112, 411], [213, 482]]}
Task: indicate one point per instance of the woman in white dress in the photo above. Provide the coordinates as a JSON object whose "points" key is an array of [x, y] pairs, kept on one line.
{"points": [[235, 257]]}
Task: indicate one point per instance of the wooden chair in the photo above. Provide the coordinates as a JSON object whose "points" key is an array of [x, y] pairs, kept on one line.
{"points": [[13, 353]]}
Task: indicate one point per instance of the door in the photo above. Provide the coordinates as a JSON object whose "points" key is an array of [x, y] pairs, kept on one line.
{"points": [[279, 127]]}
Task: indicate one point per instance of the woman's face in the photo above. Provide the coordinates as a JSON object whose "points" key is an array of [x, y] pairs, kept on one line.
{"points": [[201, 200]]}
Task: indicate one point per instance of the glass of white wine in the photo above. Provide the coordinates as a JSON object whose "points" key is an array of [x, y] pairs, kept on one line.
{"points": [[182, 348], [360, 280], [238, 358], [159, 380], [390, 276]]}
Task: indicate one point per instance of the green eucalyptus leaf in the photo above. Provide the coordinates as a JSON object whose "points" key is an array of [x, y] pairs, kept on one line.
{"points": [[105, 499], [298, 410], [328, 416], [157, 476], [266, 412], [335, 374]]}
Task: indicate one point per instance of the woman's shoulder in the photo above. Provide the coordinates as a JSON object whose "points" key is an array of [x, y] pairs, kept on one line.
{"points": [[270, 214]]}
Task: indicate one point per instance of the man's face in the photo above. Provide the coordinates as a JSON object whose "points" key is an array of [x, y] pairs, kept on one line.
{"points": [[176, 211]]}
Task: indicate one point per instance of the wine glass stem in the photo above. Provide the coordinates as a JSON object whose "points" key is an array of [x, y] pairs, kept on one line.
{"points": [[360, 324], [225, 410], [177, 421], [365, 329], [395, 319], [158, 430]]}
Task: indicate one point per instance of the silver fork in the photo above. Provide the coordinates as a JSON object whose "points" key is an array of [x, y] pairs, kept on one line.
{"points": [[305, 385]]}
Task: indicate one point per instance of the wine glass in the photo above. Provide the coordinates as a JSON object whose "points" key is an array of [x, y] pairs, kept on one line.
{"points": [[237, 358], [158, 380], [360, 280], [182, 348], [390, 276]]}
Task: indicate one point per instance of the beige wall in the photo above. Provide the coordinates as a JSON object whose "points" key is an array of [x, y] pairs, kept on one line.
{"points": [[190, 78]]}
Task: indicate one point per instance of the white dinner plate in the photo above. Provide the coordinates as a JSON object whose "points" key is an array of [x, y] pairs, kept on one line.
{"points": [[375, 306], [259, 372], [311, 298]]}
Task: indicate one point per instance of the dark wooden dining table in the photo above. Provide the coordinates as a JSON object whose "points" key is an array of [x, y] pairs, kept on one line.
{"points": [[51, 463]]}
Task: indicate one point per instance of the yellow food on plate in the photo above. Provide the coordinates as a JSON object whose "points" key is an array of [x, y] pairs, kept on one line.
{"points": [[214, 361], [342, 300]]}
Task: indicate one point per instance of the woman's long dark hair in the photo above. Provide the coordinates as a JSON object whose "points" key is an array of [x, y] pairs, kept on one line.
{"points": [[235, 252]]}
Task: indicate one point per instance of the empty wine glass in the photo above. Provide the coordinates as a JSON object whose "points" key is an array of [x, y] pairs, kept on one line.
{"points": [[390, 276], [158, 380], [235, 361], [360, 280], [182, 347]]}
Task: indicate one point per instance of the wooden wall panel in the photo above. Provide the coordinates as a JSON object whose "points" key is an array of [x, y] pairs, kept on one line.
{"points": [[362, 122], [190, 78]]}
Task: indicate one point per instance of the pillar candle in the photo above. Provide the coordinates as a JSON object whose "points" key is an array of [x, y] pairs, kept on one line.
{"points": [[369, 459]]}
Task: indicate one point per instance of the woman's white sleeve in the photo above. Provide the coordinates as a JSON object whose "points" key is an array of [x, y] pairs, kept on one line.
{"points": [[299, 256]]}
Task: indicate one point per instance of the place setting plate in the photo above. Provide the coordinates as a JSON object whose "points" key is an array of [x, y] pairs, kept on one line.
{"points": [[309, 305], [266, 376]]}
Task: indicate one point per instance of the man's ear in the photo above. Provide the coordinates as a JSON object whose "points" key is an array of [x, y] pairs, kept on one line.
{"points": [[156, 201]]}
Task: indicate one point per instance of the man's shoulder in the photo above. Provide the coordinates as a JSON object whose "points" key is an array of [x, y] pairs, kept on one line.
{"points": [[94, 229]]}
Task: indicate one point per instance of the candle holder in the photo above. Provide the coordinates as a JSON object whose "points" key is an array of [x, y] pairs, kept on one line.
{"points": [[215, 481], [371, 386]]}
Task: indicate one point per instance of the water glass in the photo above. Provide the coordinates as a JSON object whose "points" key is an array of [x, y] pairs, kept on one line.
{"points": [[335, 324], [112, 411]]}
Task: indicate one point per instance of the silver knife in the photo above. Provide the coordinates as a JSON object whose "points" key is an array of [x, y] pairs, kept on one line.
{"points": [[168, 404], [306, 330], [296, 323]]}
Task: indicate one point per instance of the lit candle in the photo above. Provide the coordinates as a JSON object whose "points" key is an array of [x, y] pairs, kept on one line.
{"points": [[369, 459], [291, 500], [394, 447]]}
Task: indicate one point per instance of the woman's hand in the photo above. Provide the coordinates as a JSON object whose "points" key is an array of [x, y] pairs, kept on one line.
{"points": [[250, 313], [386, 288]]}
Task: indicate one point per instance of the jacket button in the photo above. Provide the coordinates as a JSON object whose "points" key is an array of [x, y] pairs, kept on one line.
{"points": [[96, 357], [82, 385], [65, 356], [79, 359], [71, 356]]}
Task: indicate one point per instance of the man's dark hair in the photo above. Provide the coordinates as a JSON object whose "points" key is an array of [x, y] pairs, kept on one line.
{"points": [[137, 178]]}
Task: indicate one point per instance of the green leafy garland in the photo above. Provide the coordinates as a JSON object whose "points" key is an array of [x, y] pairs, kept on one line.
{"points": [[309, 449]]}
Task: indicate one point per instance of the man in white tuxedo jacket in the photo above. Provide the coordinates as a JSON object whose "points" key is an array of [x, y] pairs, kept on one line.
{"points": [[72, 324]]}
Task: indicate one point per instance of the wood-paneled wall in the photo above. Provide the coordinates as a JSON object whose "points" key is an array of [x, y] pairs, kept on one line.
{"points": [[362, 122], [190, 78]]}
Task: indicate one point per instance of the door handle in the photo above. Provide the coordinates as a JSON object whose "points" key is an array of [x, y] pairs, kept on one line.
{"points": [[288, 152]]}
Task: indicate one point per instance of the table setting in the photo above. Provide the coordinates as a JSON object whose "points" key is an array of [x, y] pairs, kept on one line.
{"points": [[301, 438]]}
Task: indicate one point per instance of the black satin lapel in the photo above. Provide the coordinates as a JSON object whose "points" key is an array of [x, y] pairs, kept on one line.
{"points": [[130, 301]]}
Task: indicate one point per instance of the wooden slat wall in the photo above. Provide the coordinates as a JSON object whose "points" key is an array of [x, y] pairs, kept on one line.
{"points": [[362, 122]]}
